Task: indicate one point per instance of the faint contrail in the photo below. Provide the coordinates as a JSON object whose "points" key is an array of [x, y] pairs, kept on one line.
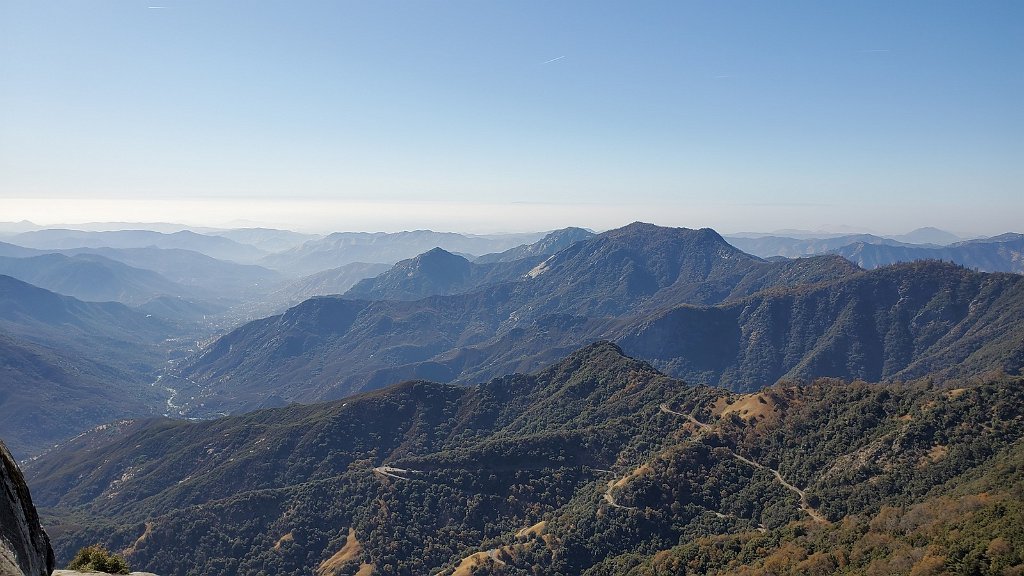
{"points": [[552, 60]]}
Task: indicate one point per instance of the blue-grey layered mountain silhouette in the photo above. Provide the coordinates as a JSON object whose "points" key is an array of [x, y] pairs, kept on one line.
{"points": [[769, 246], [48, 318], [9, 250], [343, 248], [438, 272], [575, 296], [68, 365], [928, 235], [91, 277], [211, 278], [1003, 253], [897, 322], [204, 277], [266, 239], [329, 282], [213, 246]]}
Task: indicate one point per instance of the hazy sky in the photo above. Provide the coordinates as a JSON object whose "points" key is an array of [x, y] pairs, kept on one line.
{"points": [[484, 116]]}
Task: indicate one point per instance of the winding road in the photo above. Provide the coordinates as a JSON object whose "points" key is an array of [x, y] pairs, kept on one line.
{"points": [[805, 504], [609, 497], [609, 493]]}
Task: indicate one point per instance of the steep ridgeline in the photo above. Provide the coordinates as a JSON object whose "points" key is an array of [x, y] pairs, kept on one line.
{"points": [[24, 546], [647, 267], [553, 243], [327, 347], [68, 365], [897, 322], [1000, 254], [438, 272], [597, 465]]}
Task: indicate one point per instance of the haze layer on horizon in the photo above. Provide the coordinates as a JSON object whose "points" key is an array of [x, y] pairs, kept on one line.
{"points": [[486, 117], [325, 216]]}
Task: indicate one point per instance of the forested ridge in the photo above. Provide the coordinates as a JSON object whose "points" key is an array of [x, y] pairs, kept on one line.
{"points": [[596, 465]]}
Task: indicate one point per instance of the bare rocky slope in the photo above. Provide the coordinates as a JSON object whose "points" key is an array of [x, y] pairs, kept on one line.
{"points": [[24, 546]]}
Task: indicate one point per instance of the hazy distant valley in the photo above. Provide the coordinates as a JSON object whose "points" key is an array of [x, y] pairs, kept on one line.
{"points": [[262, 401]]}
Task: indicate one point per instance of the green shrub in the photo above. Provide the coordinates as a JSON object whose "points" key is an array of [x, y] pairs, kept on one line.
{"points": [[98, 559]]}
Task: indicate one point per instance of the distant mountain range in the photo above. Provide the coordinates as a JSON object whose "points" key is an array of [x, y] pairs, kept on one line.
{"points": [[91, 277], [266, 239], [597, 464], [334, 281], [550, 244], [684, 299], [438, 272], [1001, 254], [329, 347], [213, 246], [925, 235], [343, 248], [769, 246], [177, 284], [643, 401]]}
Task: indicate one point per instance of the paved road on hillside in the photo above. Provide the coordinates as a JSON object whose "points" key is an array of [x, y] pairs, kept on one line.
{"points": [[392, 472]]}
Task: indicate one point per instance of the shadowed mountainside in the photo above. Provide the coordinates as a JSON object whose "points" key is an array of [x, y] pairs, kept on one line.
{"points": [[68, 365], [329, 347], [343, 248], [91, 277], [438, 272], [898, 322]]}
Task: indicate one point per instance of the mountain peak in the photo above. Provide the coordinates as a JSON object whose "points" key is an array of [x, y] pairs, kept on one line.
{"points": [[651, 233], [438, 254]]}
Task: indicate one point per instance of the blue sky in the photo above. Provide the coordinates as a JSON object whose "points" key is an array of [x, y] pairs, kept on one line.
{"points": [[486, 116]]}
